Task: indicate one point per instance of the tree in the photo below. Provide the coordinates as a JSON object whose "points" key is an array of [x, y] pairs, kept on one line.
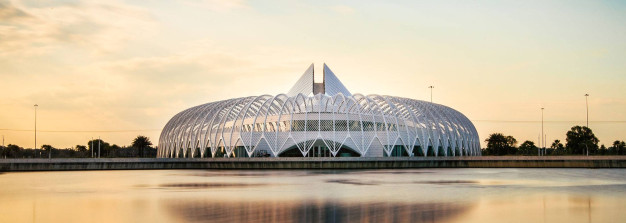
{"points": [[114, 151], [581, 139], [11, 151], [81, 148], [603, 150], [618, 148], [103, 147], [498, 144], [527, 148], [141, 142], [558, 147], [48, 149]]}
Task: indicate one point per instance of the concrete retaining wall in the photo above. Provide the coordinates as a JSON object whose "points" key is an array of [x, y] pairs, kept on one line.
{"points": [[314, 163]]}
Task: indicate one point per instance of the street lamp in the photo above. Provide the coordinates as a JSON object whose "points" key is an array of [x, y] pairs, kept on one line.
{"points": [[431, 93], [587, 105], [542, 143], [36, 125]]}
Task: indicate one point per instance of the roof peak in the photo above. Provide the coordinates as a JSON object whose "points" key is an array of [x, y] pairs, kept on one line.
{"points": [[331, 85]]}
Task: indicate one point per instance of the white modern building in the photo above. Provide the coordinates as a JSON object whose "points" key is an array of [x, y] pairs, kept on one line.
{"points": [[318, 120]]}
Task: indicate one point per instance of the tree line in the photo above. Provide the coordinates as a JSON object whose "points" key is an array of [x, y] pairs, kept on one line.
{"points": [[580, 140], [140, 147]]}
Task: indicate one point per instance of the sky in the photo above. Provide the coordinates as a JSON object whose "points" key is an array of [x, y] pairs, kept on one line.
{"points": [[117, 69]]}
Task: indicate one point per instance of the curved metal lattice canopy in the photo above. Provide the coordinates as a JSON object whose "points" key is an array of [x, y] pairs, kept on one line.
{"points": [[372, 125]]}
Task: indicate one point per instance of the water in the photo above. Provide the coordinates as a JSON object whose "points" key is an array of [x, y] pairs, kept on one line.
{"points": [[413, 195]]}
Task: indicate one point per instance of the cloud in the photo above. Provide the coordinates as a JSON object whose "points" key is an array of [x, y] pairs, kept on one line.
{"points": [[95, 27], [219, 5], [144, 91], [200, 72], [78, 60], [8, 12], [343, 9]]}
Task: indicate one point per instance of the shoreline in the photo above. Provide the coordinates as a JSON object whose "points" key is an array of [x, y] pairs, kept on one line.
{"points": [[79, 164]]}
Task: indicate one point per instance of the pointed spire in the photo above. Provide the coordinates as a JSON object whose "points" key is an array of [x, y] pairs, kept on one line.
{"points": [[304, 85], [331, 85]]}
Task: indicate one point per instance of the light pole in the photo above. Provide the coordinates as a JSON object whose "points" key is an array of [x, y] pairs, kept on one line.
{"points": [[587, 105], [542, 136], [431, 93], [36, 125]]}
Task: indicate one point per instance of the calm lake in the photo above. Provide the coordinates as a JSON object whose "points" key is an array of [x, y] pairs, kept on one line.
{"points": [[407, 195]]}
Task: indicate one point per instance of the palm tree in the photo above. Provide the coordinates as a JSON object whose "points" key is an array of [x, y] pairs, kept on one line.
{"points": [[48, 148], [140, 143], [558, 147]]}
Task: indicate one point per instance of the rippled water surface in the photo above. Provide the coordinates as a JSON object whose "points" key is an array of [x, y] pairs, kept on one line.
{"points": [[414, 195]]}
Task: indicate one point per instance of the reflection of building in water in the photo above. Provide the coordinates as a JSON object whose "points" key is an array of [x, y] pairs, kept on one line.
{"points": [[319, 120], [309, 211]]}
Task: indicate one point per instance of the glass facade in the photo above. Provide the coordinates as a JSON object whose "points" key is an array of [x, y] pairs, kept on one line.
{"points": [[317, 125]]}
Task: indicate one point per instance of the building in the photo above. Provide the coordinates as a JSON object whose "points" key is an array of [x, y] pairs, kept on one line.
{"points": [[318, 120]]}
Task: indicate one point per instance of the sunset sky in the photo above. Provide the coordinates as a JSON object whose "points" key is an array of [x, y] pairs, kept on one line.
{"points": [[117, 69]]}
